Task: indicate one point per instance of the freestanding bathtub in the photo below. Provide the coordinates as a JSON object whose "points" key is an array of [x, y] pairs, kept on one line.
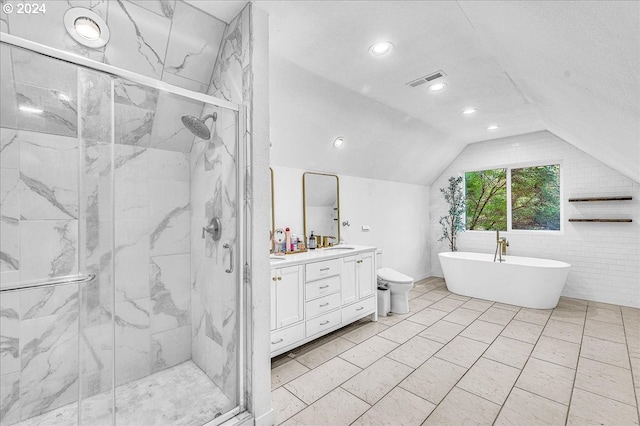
{"points": [[521, 281]]}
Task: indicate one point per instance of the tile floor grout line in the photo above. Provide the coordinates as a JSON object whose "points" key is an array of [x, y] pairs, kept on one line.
{"points": [[513, 318], [633, 382], [602, 396], [470, 367], [523, 367], [338, 386], [575, 375], [293, 415]]}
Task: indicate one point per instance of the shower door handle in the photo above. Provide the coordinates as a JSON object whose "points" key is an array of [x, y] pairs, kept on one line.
{"points": [[230, 270]]}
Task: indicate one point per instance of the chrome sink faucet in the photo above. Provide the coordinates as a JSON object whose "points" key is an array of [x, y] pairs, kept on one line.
{"points": [[501, 247]]}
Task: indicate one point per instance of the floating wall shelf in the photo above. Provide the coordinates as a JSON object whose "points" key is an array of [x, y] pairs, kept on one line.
{"points": [[623, 198], [602, 220]]}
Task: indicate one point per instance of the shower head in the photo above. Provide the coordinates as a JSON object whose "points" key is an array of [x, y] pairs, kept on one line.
{"points": [[197, 126]]}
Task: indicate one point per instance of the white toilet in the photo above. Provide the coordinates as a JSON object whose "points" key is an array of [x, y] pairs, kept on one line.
{"points": [[399, 286]]}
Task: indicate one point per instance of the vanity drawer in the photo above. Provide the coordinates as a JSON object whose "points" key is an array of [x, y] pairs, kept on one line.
{"points": [[322, 305], [318, 270], [286, 337], [357, 309], [321, 288], [323, 322]]}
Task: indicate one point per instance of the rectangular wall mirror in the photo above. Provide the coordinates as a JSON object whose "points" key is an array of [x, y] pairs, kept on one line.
{"points": [[321, 205]]}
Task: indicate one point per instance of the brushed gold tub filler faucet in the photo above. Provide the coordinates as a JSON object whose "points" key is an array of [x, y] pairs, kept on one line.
{"points": [[501, 247]]}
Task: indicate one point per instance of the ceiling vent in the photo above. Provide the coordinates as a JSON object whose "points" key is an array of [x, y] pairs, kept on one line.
{"points": [[426, 79]]}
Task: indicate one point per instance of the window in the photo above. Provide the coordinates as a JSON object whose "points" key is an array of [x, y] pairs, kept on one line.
{"points": [[526, 198]]}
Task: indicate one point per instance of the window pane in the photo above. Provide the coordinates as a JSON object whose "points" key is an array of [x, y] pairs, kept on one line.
{"points": [[535, 198], [486, 200]]}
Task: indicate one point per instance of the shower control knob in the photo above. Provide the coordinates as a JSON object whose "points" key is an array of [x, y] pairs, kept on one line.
{"points": [[214, 229]]}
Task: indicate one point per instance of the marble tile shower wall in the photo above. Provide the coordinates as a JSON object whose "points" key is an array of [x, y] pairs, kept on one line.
{"points": [[214, 165], [42, 236], [165, 39], [152, 240]]}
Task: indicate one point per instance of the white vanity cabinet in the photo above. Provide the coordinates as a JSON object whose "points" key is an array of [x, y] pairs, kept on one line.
{"points": [[320, 292], [287, 296], [358, 277], [287, 306]]}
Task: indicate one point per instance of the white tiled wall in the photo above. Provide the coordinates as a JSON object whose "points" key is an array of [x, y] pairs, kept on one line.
{"points": [[605, 257]]}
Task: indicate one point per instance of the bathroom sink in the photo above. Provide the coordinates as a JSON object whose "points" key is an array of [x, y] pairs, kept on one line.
{"points": [[340, 248]]}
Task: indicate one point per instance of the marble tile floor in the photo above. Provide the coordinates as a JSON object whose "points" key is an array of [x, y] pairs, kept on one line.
{"points": [[454, 360], [180, 395]]}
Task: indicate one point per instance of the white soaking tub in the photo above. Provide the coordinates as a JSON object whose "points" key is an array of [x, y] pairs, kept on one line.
{"points": [[521, 281]]}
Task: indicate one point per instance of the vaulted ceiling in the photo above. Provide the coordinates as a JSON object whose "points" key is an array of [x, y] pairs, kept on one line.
{"points": [[571, 67]]}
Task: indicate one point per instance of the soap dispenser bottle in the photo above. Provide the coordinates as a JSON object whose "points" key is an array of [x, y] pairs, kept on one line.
{"points": [[312, 242]]}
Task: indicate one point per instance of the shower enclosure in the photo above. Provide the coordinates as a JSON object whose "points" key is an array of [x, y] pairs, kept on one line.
{"points": [[121, 247]]}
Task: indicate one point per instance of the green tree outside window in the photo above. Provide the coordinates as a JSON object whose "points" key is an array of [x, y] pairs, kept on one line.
{"points": [[535, 199], [486, 195]]}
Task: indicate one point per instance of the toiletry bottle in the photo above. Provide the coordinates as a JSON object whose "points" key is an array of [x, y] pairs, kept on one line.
{"points": [[287, 239], [294, 242], [312, 242]]}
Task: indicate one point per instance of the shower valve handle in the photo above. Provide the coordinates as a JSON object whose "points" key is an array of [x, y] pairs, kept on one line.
{"points": [[214, 228]]}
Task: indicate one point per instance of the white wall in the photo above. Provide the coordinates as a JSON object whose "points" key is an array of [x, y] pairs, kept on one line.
{"points": [[605, 257], [308, 112], [398, 214]]}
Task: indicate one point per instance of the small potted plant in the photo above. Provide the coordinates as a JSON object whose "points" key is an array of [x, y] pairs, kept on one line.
{"points": [[453, 223]]}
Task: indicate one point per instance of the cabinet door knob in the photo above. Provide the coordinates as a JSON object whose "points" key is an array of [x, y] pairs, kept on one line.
{"points": [[359, 261], [273, 278], [279, 278]]}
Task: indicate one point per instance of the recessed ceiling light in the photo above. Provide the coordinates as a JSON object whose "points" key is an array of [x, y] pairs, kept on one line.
{"points": [[29, 109], [470, 111], [86, 27], [492, 127], [381, 48], [436, 87], [339, 141]]}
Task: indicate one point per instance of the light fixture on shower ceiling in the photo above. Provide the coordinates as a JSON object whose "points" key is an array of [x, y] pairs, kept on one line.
{"points": [[86, 27]]}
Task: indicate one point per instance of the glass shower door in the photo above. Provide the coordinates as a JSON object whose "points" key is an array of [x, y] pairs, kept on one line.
{"points": [[56, 330], [177, 282], [120, 250]]}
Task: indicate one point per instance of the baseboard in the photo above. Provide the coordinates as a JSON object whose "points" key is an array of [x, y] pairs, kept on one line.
{"points": [[266, 419], [422, 276]]}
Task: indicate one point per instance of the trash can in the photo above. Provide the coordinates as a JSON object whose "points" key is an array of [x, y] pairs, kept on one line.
{"points": [[384, 301]]}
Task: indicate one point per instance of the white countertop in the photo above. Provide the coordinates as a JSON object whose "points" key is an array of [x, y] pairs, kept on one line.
{"points": [[318, 255]]}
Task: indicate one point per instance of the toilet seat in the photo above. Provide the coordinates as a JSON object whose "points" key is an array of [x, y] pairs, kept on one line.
{"points": [[392, 276]]}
